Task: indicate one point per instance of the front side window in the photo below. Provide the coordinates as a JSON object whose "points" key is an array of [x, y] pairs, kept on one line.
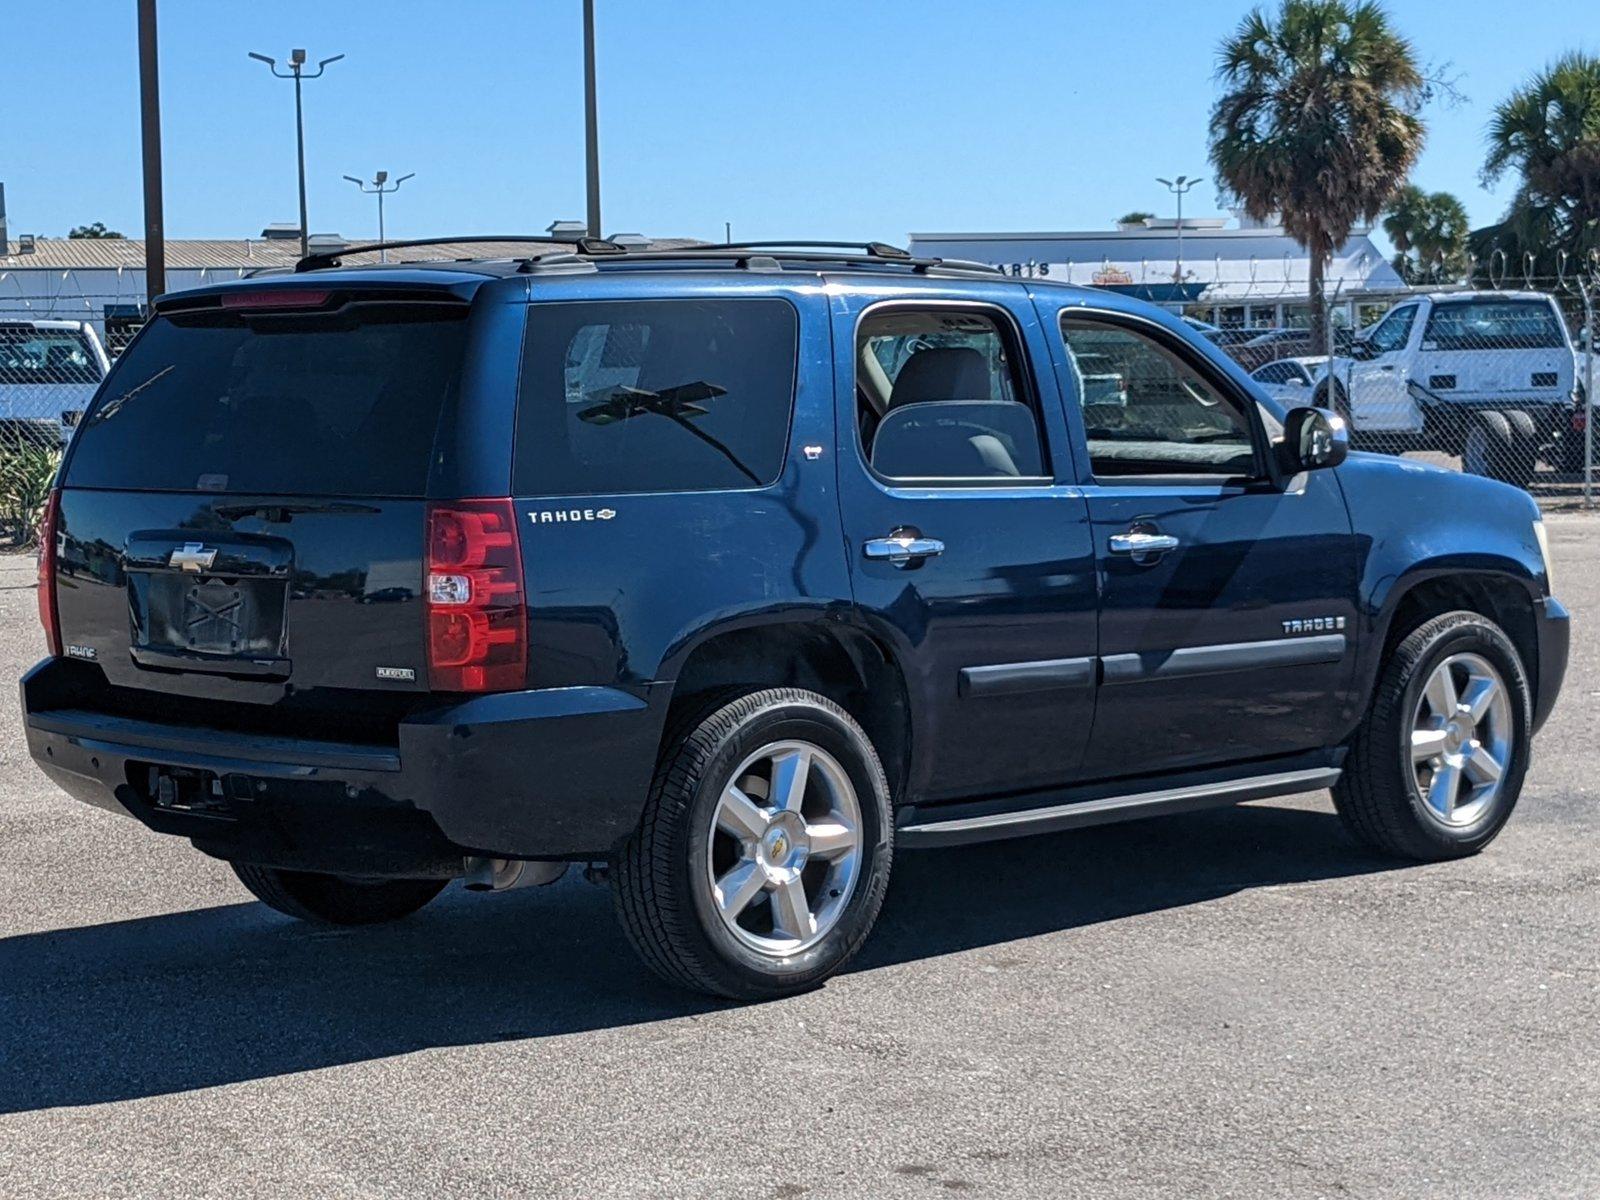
{"points": [[940, 395], [1394, 330], [1278, 372], [1147, 411], [655, 396], [1493, 325]]}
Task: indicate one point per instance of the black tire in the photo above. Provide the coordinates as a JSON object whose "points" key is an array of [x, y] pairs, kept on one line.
{"points": [[333, 899], [1525, 440], [1377, 795], [660, 886], [1490, 448]]}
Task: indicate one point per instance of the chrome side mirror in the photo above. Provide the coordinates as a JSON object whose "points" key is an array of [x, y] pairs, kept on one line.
{"points": [[1314, 439]]}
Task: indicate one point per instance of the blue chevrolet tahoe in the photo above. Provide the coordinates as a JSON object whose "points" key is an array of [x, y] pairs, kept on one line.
{"points": [[732, 571]]}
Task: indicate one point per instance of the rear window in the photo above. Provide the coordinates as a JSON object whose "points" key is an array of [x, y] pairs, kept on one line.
{"points": [[1493, 325], [655, 396], [36, 356], [342, 404]]}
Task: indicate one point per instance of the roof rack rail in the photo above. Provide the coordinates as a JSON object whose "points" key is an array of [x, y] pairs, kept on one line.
{"points": [[871, 249], [583, 245], [753, 256]]}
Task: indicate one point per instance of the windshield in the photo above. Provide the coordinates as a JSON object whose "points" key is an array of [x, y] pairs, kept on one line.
{"points": [[1494, 325], [343, 404], [35, 356]]}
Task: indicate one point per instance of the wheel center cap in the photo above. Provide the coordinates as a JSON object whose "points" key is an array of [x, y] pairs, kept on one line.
{"points": [[785, 845]]}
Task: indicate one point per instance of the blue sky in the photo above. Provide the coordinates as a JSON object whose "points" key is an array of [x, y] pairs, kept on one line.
{"points": [[844, 118]]}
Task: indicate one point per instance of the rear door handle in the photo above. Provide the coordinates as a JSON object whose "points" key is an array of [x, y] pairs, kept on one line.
{"points": [[1139, 542], [902, 548]]}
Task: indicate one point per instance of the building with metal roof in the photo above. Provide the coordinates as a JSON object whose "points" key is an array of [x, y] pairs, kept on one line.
{"points": [[1249, 276]]}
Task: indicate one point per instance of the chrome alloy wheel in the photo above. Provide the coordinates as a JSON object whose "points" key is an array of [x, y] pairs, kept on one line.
{"points": [[1461, 739], [785, 848]]}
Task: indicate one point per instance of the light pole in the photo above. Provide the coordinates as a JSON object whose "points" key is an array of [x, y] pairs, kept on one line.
{"points": [[297, 72], [1179, 187], [155, 245], [377, 188], [591, 121]]}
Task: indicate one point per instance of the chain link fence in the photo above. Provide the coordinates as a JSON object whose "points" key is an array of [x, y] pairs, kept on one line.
{"points": [[49, 369], [1496, 382]]}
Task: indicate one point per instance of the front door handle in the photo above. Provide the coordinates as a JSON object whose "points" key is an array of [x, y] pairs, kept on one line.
{"points": [[903, 547], [1140, 542]]}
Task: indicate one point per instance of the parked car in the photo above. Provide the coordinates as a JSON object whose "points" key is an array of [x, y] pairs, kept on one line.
{"points": [[49, 370], [1204, 328], [1285, 343], [682, 583], [1291, 380], [1486, 375]]}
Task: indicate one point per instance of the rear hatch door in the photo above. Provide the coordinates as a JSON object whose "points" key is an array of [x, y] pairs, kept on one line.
{"points": [[243, 507]]}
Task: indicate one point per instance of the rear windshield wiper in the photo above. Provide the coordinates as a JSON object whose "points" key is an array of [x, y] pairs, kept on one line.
{"points": [[676, 404], [111, 407]]}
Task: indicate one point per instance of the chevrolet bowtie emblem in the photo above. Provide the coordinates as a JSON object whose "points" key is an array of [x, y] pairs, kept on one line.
{"points": [[192, 556]]}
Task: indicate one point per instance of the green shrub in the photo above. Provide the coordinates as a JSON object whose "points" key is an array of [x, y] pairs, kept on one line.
{"points": [[26, 473]]}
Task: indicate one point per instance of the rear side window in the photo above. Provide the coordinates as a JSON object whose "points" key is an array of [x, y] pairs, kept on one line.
{"points": [[1493, 325], [343, 404], [655, 396]]}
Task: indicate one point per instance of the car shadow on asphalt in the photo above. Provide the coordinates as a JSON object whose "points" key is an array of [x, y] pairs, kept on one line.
{"points": [[195, 999]]}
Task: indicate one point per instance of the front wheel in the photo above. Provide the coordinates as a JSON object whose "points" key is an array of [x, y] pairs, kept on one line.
{"points": [[336, 899], [1437, 765], [763, 855]]}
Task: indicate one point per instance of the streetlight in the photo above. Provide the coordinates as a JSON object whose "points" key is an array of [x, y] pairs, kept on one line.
{"points": [[297, 72], [591, 122], [377, 188], [1179, 187]]}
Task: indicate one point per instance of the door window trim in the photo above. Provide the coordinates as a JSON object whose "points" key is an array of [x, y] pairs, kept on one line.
{"points": [[1024, 377], [1265, 472]]}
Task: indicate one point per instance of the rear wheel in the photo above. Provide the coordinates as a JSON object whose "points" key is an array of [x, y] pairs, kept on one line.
{"points": [[336, 899], [1436, 767], [762, 858], [1496, 449]]}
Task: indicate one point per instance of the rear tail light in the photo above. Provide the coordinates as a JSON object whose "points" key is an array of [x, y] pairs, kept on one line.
{"points": [[477, 613], [47, 572]]}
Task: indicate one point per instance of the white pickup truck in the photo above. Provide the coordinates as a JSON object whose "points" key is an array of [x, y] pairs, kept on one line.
{"points": [[49, 371], [1486, 375]]}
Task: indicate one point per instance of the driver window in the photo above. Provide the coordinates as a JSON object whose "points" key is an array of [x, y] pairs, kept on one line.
{"points": [[939, 396], [1148, 412], [1394, 330]]}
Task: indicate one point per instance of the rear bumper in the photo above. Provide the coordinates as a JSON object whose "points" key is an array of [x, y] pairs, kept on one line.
{"points": [[1554, 627], [556, 773]]}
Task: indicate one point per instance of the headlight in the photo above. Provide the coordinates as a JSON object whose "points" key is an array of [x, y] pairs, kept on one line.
{"points": [[1543, 539]]}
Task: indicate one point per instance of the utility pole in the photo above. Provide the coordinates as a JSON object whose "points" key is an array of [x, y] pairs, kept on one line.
{"points": [[1179, 187], [591, 121], [377, 188], [155, 246], [297, 72]]}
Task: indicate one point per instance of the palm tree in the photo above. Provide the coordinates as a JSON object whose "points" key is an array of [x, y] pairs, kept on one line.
{"points": [[1318, 123], [1548, 131], [1429, 230]]}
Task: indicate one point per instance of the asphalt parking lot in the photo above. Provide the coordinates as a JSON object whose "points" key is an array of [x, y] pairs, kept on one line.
{"points": [[1236, 1003]]}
